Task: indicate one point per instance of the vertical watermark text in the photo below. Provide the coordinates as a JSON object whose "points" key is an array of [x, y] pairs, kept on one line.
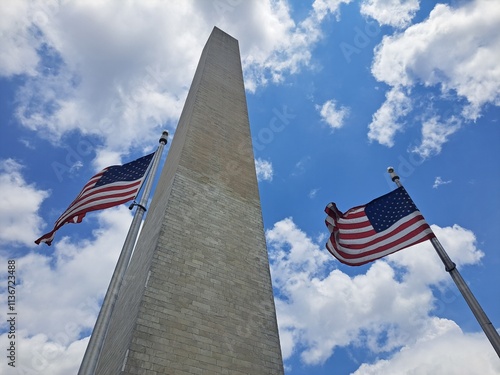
{"points": [[11, 312]]}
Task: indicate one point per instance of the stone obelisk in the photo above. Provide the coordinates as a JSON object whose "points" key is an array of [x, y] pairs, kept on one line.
{"points": [[197, 297]]}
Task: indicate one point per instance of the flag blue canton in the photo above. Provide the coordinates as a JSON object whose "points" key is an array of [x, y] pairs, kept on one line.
{"points": [[126, 172], [386, 210]]}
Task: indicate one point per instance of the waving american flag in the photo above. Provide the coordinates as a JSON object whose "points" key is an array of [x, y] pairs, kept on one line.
{"points": [[387, 224], [110, 187]]}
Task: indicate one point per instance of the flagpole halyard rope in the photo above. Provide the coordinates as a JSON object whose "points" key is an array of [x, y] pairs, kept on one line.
{"points": [[450, 267], [94, 347]]}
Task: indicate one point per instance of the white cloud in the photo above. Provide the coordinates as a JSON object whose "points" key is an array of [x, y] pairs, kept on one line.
{"points": [[272, 44], [397, 13], [455, 48], [386, 122], [434, 135], [386, 309], [264, 170], [19, 45], [323, 7], [439, 181], [112, 70], [19, 220], [471, 354], [55, 317], [123, 71], [39, 355], [422, 262], [332, 115]]}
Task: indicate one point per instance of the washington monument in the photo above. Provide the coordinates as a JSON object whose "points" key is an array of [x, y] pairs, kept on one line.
{"points": [[197, 295]]}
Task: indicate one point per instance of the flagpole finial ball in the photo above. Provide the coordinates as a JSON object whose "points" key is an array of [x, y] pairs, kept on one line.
{"points": [[394, 176]]}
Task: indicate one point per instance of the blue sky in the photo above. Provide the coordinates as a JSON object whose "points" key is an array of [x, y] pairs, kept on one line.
{"points": [[337, 91]]}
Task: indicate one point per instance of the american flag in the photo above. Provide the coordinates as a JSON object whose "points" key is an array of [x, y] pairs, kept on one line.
{"points": [[110, 187], [387, 224]]}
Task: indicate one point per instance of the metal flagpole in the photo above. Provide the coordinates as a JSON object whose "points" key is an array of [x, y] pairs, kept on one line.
{"points": [[91, 357], [451, 268]]}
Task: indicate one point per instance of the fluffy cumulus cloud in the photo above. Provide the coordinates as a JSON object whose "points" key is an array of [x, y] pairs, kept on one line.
{"points": [[397, 13], [19, 220], [454, 48], [120, 70], [434, 135], [264, 170], [386, 122], [113, 70], [56, 320], [19, 44], [389, 309], [41, 355], [333, 115], [472, 354]]}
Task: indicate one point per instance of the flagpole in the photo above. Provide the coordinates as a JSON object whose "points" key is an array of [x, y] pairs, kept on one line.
{"points": [[451, 268], [94, 347]]}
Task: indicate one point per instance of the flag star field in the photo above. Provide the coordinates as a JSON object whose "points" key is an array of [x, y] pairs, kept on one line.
{"points": [[386, 210], [337, 91], [128, 172]]}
